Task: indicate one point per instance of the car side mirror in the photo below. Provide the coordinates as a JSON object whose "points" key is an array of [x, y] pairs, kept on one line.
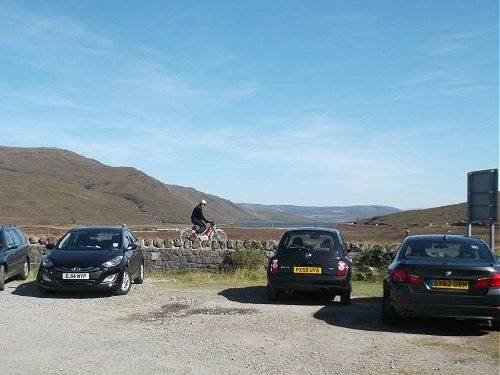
{"points": [[132, 246], [50, 246], [12, 246]]}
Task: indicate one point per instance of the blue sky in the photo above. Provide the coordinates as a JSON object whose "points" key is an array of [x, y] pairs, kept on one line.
{"points": [[282, 102]]}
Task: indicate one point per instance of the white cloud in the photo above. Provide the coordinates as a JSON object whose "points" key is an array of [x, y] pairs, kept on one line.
{"points": [[21, 28]]}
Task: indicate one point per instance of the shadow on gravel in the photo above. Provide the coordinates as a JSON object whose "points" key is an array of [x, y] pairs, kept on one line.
{"points": [[363, 314], [30, 289], [366, 314], [257, 295]]}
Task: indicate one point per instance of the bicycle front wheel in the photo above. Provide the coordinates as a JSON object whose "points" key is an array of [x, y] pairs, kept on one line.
{"points": [[219, 235]]}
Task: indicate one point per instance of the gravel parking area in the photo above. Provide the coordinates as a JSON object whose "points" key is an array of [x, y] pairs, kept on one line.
{"points": [[158, 328]]}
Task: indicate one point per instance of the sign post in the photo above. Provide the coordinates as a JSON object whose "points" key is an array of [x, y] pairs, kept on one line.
{"points": [[482, 198]]}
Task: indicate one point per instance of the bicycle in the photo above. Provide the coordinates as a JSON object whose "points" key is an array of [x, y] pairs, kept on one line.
{"points": [[210, 233]]}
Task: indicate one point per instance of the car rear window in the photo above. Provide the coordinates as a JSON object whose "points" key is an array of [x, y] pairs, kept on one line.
{"points": [[91, 239], [439, 250], [309, 241]]}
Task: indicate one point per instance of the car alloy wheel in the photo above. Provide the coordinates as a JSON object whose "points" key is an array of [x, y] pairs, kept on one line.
{"points": [[124, 285], [2, 277], [125, 281]]}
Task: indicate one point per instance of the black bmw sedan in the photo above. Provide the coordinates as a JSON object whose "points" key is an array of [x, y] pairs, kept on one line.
{"points": [[310, 259], [443, 276], [99, 258]]}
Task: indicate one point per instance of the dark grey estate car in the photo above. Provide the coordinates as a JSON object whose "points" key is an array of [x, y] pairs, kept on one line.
{"points": [[443, 276], [310, 259], [14, 257]]}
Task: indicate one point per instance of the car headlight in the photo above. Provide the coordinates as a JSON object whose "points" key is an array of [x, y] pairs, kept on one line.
{"points": [[47, 262], [113, 262]]}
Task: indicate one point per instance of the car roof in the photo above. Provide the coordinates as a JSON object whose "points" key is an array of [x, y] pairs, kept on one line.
{"points": [[317, 229], [434, 237], [110, 228]]}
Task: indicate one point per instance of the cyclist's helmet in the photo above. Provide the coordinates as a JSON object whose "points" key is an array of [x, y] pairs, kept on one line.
{"points": [[203, 202]]}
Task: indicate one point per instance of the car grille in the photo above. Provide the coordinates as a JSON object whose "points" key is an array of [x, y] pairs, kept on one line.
{"points": [[77, 269], [69, 283]]}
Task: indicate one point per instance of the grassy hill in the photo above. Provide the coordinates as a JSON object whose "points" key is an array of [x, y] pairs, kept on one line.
{"points": [[451, 214], [53, 186]]}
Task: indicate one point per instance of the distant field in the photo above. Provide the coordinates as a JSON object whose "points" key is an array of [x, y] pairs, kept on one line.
{"points": [[356, 233]]}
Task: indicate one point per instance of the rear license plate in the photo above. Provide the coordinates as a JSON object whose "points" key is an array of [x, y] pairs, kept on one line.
{"points": [[450, 284], [309, 270], [75, 276]]}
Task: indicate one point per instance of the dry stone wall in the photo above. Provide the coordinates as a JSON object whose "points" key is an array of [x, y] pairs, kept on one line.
{"points": [[178, 255]]}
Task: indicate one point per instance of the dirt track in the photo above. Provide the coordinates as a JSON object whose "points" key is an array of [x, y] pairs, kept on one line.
{"points": [[159, 329]]}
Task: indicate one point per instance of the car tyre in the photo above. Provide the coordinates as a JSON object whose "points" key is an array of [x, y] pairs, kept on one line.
{"points": [[495, 325], [39, 287], [140, 278], [26, 270], [389, 315], [327, 296], [345, 298], [272, 294], [2, 277], [125, 284]]}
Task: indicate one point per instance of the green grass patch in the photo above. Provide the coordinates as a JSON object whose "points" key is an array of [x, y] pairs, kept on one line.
{"points": [[32, 274], [367, 288], [238, 277], [243, 277]]}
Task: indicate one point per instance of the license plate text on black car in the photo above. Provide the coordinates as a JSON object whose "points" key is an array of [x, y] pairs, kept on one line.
{"points": [[450, 284]]}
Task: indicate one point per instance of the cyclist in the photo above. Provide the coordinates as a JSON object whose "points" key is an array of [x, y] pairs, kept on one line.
{"points": [[198, 219]]}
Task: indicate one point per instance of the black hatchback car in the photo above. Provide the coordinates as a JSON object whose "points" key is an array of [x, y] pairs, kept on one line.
{"points": [[99, 258], [14, 254], [443, 276], [310, 259]]}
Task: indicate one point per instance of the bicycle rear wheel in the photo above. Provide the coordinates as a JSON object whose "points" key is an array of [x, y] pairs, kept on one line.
{"points": [[185, 233]]}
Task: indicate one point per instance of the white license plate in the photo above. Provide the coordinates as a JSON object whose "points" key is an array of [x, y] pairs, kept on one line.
{"points": [[75, 276]]}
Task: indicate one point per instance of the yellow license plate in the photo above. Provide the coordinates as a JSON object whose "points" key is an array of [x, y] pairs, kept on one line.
{"points": [[450, 284], [309, 270]]}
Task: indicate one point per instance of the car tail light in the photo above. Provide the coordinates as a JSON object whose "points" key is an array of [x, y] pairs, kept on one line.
{"points": [[489, 282], [274, 266], [342, 268], [399, 275]]}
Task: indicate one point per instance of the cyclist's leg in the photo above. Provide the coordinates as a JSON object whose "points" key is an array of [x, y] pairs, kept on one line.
{"points": [[200, 227], [203, 228]]}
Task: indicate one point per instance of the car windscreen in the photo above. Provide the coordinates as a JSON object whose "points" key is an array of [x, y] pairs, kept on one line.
{"points": [[446, 250], [310, 241], [91, 239]]}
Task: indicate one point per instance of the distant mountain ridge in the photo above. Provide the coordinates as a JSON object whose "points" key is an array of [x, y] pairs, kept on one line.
{"points": [[323, 214]]}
